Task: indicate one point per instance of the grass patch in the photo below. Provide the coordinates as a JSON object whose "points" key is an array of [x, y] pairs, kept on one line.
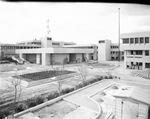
{"points": [[43, 75]]}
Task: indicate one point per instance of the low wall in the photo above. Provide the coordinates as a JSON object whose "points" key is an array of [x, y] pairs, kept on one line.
{"points": [[48, 80]]}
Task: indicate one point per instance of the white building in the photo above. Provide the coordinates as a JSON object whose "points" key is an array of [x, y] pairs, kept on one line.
{"points": [[108, 51], [45, 51], [136, 48]]}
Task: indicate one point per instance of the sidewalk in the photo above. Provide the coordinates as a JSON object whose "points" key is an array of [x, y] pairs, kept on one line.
{"points": [[80, 98]]}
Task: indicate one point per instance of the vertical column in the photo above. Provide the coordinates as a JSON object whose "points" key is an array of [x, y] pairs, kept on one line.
{"points": [[37, 58], [20, 55], [43, 58], [143, 65], [87, 56], [125, 61]]}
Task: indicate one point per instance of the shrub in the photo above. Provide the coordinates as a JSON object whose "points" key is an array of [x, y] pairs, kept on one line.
{"points": [[65, 91], [31, 102], [71, 89], [20, 107], [2, 115], [39, 100], [79, 86]]}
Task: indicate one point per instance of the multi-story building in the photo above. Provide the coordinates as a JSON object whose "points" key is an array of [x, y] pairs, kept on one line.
{"points": [[108, 51], [45, 51], [136, 48]]}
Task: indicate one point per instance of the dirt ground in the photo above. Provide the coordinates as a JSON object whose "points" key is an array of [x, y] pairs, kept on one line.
{"points": [[55, 111], [28, 92]]}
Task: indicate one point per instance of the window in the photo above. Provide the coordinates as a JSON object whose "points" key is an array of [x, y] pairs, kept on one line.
{"points": [[49, 38], [147, 65], [131, 52], [131, 40], [141, 40], [101, 41], [136, 40], [125, 41], [146, 39], [139, 52], [146, 52]]}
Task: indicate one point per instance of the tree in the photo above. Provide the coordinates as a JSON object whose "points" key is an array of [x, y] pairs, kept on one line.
{"points": [[15, 83], [83, 72], [65, 61], [59, 73]]}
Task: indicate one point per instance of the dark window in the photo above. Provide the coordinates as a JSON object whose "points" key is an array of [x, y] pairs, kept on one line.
{"points": [[147, 65], [131, 52], [146, 39], [101, 41], [141, 40], [125, 41], [138, 52], [146, 52], [131, 40], [49, 38], [136, 40]]}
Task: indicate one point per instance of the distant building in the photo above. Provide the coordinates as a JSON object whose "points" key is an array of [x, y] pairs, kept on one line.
{"points": [[45, 51], [136, 48], [108, 51]]}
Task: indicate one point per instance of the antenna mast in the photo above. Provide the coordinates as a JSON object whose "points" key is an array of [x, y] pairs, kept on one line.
{"points": [[47, 26]]}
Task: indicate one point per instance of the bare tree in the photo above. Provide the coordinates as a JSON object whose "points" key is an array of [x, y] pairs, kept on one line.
{"points": [[65, 61], [15, 83], [83, 72], [59, 73]]}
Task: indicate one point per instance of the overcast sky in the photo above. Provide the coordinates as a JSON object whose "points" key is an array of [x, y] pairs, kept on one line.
{"points": [[82, 23]]}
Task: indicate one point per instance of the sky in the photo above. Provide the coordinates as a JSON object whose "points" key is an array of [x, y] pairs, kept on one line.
{"points": [[82, 23]]}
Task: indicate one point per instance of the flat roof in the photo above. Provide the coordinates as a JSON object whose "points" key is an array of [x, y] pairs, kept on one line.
{"points": [[135, 34], [80, 45], [135, 93]]}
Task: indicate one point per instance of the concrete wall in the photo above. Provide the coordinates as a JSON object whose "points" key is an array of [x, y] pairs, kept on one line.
{"points": [[104, 51], [45, 42]]}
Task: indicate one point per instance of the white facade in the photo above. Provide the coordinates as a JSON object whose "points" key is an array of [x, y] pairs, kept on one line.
{"points": [[55, 51], [136, 48], [108, 51]]}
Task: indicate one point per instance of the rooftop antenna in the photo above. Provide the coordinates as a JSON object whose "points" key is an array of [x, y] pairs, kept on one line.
{"points": [[47, 26]]}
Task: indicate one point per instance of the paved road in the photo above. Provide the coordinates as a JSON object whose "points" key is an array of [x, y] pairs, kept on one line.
{"points": [[80, 98]]}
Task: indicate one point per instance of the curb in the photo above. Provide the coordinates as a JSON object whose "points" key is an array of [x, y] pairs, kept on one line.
{"points": [[55, 100]]}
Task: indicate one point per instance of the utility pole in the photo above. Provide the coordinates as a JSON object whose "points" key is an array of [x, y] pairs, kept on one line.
{"points": [[119, 34]]}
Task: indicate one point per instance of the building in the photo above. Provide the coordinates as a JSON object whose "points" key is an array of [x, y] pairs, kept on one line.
{"points": [[136, 48], [108, 51], [46, 51]]}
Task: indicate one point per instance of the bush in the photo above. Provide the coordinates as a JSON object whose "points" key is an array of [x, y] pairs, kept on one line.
{"points": [[2, 115], [39, 100], [20, 107], [65, 91], [52, 95], [31, 102]]}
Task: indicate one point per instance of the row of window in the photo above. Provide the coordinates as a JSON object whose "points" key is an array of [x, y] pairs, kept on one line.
{"points": [[37, 43], [136, 40], [116, 52], [114, 47], [140, 52], [16, 47]]}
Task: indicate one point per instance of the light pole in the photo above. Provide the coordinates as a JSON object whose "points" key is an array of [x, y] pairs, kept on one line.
{"points": [[118, 34]]}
